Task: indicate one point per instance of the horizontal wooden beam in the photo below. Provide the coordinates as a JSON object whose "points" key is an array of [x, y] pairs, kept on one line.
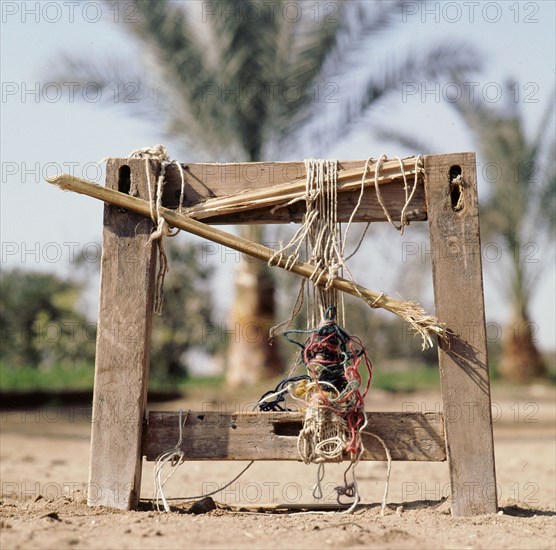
{"points": [[279, 195], [210, 435], [209, 180]]}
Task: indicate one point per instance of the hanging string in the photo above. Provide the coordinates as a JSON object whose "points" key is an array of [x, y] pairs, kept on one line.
{"points": [[320, 234], [176, 457], [162, 229], [408, 195], [388, 471]]}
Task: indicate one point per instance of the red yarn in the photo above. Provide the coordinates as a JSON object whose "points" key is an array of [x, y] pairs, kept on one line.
{"points": [[315, 354]]}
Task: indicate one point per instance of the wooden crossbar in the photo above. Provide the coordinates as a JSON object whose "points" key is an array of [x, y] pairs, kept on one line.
{"points": [[279, 195], [209, 181], [209, 435], [422, 323]]}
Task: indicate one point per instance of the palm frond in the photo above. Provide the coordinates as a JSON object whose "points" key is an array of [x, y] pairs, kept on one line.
{"points": [[247, 59], [183, 64], [500, 137], [324, 44], [326, 49], [546, 125], [111, 78], [418, 66]]}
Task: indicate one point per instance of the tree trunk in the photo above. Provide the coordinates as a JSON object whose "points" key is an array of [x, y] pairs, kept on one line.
{"points": [[250, 356], [521, 361]]}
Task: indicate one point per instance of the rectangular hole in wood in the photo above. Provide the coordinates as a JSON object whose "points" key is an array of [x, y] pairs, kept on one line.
{"points": [[124, 179], [289, 429], [456, 188]]}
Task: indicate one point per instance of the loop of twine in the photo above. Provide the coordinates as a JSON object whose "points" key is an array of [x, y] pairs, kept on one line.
{"points": [[320, 235], [162, 229], [176, 457]]}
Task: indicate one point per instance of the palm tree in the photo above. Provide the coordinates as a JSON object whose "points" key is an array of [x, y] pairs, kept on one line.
{"points": [[243, 80], [519, 211]]}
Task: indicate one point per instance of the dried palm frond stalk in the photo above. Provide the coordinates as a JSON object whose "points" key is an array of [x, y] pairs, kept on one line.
{"points": [[285, 194]]}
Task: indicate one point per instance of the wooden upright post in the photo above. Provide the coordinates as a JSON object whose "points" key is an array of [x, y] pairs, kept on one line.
{"points": [[123, 343], [452, 206]]}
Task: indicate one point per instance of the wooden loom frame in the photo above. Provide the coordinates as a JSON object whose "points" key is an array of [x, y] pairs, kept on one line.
{"points": [[122, 433]]}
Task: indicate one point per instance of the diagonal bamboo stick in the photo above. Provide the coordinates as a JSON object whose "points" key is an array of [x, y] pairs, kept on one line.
{"points": [[423, 324], [281, 194]]}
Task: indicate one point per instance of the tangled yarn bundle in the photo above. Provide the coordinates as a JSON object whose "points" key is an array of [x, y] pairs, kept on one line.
{"points": [[332, 392]]}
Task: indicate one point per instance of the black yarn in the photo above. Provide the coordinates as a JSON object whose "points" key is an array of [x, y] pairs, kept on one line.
{"points": [[275, 405], [326, 349]]}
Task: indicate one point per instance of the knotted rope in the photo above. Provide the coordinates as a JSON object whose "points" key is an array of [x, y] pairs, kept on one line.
{"points": [[332, 395], [162, 229]]}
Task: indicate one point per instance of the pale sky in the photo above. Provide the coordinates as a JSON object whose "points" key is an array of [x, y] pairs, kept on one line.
{"points": [[43, 134]]}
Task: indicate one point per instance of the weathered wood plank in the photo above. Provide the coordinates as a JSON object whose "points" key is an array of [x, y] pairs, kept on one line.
{"points": [[123, 345], [277, 196], [210, 180], [458, 290], [210, 435], [369, 210]]}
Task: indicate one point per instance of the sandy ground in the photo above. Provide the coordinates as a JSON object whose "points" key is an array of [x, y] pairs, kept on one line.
{"points": [[44, 467]]}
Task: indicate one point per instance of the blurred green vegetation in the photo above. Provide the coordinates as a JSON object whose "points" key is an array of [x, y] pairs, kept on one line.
{"points": [[47, 341], [41, 324], [80, 377], [418, 377], [405, 376], [47, 344], [57, 378]]}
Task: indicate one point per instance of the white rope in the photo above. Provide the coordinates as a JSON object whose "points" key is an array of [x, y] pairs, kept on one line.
{"points": [[389, 458], [182, 189], [355, 210], [205, 495], [320, 233], [408, 196], [175, 456], [162, 229]]}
